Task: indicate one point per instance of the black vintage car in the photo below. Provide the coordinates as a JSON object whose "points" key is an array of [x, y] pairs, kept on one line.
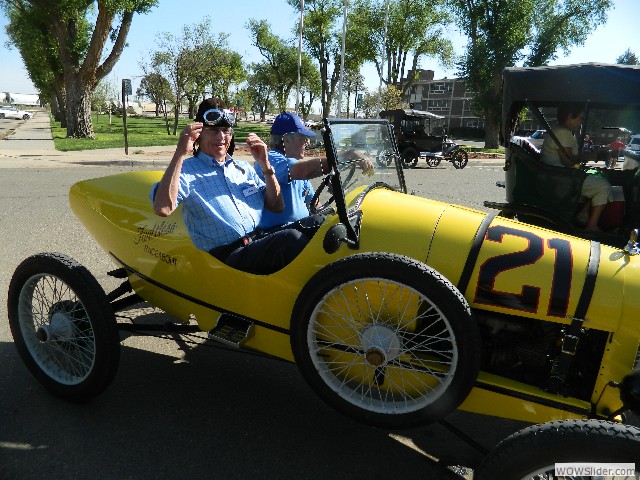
{"points": [[549, 196], [421, 134]]}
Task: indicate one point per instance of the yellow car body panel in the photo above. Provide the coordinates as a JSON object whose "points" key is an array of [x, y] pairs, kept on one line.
{"points": [[517, 270]]}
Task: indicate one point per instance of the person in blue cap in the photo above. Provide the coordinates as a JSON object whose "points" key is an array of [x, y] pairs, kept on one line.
{"points": [[289, 137], [224, 199]]}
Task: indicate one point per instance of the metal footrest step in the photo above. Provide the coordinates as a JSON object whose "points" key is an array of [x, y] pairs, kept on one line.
{"points": [[232, 331]]}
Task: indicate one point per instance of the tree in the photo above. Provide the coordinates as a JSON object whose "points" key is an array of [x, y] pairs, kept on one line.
{"points": [[321, 39], [80, 45], [389, 97], [415, 30], [104, 97], [628, 58], [280, 57], [156, 88], [502, 33], [195, 63], [261, 89], [40, 56]]}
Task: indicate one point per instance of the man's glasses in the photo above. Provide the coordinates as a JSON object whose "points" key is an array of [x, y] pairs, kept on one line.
{"points": [[297, 136], [215, 116]]}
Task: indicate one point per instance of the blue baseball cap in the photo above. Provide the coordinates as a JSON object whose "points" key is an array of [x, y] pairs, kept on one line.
{"points": [[289, 123]]}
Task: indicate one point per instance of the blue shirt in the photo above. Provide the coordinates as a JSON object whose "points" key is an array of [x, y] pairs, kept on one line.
{"points": [[222, 203], [295, 193]]}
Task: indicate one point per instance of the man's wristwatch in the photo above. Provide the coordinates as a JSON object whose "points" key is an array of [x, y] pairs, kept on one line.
{"points": [[268, 171]]}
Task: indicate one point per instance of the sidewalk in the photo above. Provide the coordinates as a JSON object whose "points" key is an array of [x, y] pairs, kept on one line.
{"points": [[31, 146]]}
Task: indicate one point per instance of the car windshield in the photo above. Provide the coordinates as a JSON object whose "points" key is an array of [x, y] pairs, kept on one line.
{"points": [[365, 153]]}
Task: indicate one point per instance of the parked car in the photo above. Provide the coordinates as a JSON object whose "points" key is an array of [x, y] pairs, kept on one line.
{"points": [[536, 139], [420, 134], [634, 143], [7, 111]]}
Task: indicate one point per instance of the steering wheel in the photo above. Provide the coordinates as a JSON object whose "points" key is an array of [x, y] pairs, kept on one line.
{"points": [[326, 181], [313, 205]]}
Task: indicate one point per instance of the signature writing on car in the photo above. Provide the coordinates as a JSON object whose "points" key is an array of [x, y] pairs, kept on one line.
{"points": [[166, 258], [158, 229]]}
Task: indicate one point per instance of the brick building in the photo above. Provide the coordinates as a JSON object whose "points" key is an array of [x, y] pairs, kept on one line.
{"points": [[448, 97]]}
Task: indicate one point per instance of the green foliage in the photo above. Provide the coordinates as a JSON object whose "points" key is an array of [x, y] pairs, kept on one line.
{"points": [[502, 33], [141, 132], [628, 58], [69, 43], [415, 30]]}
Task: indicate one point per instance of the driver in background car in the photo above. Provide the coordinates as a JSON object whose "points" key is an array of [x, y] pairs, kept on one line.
{"points": [[596, 188], [223, 199]]}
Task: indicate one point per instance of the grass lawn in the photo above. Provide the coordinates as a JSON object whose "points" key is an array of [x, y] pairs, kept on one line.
{"points": [[141, 132]]}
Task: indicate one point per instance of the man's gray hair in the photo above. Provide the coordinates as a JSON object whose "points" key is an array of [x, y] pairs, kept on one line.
{"points": [[276, 142]]}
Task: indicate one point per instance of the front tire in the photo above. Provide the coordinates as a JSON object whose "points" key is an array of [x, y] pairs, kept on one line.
{"points": [[386, 340], [460, 158], [63, 326], [531, 453]]}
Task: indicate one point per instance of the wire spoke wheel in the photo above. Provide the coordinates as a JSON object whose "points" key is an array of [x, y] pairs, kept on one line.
{"points": [[56, 329], [63, 326], [389, 351], [460, 158], [382, 345]]}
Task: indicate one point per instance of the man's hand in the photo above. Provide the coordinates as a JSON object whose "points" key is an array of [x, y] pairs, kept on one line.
{"points": [[360, 159], [258, 150]]}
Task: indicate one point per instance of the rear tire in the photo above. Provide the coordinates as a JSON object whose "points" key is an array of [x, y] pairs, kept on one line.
{"points": [[410, 157], [63, 326], [531, 453], [433, 161]]}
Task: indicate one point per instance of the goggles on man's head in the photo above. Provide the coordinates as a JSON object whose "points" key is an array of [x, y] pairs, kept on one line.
{"points": [[214, 117]]}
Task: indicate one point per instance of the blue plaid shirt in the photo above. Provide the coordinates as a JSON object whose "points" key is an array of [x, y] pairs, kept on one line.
{"points": [[295, 193], [222, 203]]}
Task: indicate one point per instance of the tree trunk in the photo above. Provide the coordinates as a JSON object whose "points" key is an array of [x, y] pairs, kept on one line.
{"points": [[78, 110], [491, 127], [493, 112]]}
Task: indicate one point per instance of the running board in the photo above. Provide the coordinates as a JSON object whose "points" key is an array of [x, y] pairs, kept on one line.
{"points": [[231, 331]]}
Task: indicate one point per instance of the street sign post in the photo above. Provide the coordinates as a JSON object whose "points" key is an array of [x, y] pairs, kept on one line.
{"points": [[126, 91]]}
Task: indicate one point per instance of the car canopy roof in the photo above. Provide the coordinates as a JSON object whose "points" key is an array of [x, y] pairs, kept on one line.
{"points": [[602, 85], [410, 112]]}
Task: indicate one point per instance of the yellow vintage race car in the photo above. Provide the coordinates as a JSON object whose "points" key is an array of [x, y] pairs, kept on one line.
{"points": [[400, 309]]}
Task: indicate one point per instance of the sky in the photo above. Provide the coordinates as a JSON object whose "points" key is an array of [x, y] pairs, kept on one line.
{"points": [[604, 45]]}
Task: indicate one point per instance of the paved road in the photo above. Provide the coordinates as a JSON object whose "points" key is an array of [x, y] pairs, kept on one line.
{"points": [[180, 407]]}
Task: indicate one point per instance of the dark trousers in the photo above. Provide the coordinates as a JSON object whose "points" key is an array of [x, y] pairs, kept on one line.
{"points": [[269, 253]]}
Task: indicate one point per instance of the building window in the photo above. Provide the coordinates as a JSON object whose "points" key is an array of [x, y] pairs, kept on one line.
{"points": [[439, 105], [441, 87], [475, 123]]}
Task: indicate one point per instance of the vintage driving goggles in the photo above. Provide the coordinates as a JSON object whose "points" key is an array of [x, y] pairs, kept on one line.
{"points": [[214, 117]]}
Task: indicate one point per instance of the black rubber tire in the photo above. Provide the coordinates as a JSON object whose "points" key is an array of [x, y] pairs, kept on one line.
{"points": [[459, 158], [1, 116], [375, 312], [410, 157], [433, 161], [536, 449], [385, 159], [63, 326], [25, 117]]}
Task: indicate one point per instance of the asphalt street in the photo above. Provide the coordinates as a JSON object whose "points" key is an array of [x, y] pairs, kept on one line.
{"points": [[181, 406]]}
